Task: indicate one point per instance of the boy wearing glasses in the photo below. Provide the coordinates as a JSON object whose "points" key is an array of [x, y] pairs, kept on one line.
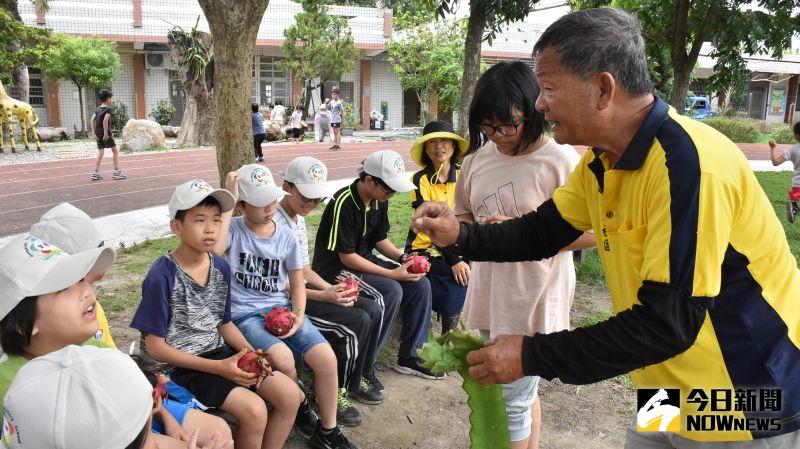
{"points": [[354, 224]]}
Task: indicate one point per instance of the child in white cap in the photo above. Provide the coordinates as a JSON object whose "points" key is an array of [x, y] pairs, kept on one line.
{"points": [[72, 230], [266, 259], [185, 321], [45, 302]]}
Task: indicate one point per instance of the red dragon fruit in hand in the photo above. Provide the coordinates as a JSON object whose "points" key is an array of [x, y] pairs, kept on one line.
{"points": [[351, 283], [255, 362], [419, 264], [279, 321]]}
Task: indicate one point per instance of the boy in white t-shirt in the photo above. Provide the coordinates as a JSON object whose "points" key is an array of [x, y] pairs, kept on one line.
{"points": [[790, 154]]}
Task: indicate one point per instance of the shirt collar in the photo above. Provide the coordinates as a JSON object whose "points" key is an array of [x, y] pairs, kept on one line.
{"points": [[636, 152], [356, 197], [430, 171]]}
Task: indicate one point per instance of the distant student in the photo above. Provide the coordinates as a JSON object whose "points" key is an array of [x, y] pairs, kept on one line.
{"points": [[258, 132], [100, 124], [790, 154]]}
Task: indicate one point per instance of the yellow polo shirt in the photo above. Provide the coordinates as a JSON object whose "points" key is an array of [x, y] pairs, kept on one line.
{"points": [[683, 207]]}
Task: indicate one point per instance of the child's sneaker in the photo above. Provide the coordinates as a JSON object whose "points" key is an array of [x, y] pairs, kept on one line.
{"points": [[307, 420], [331, 439], [346, 414], [411, 367], [96, 176], [118, 175], [367, 393], [374, 381], [334, 148]]}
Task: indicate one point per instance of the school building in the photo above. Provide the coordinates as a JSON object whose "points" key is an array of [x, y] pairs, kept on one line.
{"points": [[140, 27]]}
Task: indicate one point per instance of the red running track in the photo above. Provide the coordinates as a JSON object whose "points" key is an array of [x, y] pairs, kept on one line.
{"points": [[28, 190]]}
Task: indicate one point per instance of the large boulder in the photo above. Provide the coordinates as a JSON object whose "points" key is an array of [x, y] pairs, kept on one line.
{"points": [[170, 131], [142, 135], [274, 133]]}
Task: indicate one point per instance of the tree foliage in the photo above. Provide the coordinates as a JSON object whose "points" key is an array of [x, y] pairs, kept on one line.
{"points": [[87, 62], [675, 30], [486, 19], [318, 47], [33, 43], [428, 57]]}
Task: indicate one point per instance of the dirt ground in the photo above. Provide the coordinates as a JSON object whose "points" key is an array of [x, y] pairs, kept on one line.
{"points": [[425, 414]]}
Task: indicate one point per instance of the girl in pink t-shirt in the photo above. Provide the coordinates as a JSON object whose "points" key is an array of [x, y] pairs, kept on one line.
{"points": [[511, 168]]}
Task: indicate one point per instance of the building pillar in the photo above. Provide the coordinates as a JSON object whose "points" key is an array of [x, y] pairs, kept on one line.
{"points": [[791, 100], [387, 23], [53, 102], [366, 91], [139, 88], [137, 13], [40, 19]]}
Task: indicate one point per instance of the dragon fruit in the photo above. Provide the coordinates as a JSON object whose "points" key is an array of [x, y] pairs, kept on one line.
{"points": [[351, 283], [419, 264], [255, 362], [279, 321]]}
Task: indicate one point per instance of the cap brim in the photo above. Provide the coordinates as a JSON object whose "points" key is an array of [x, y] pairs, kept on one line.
{"points": [[72, 268], [265, 196], [315, 191], [401, 184], [225, 198], [418, 147]]}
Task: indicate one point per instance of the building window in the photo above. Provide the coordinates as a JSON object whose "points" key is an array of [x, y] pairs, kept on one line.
{"points": [[36, 96], [270, 82], [346, 90]]}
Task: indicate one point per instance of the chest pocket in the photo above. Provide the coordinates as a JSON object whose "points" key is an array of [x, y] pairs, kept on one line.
{"points": [[623, 263]]}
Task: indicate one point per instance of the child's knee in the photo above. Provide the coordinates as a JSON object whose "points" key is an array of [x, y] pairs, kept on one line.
{"points": [[284, 394], [281, 358], [252, 413], [321, 359]]}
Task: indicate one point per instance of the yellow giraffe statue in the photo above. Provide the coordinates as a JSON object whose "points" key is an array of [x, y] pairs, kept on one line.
{"points": [[26, 117]]}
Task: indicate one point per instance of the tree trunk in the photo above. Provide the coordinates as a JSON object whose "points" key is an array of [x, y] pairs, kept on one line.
{"points": [[22, 81], [197, 124], [680, 87], [83, 111], [472, 62], [234, 27]]}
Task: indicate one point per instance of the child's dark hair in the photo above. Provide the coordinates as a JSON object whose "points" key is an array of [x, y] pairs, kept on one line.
{"points": [[271, 106], [104, 95], [208, 201], [796, 129], [278, 102], [16, 329], [300, 107], [255, 107], [335, 90], [149, 369], [505, 87]]}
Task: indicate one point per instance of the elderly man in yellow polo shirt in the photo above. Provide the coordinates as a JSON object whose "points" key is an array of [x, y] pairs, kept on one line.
{"points": [[705, 291]]}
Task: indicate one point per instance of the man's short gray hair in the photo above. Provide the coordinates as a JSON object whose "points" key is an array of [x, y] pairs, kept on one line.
{"points": [[599, 40]]}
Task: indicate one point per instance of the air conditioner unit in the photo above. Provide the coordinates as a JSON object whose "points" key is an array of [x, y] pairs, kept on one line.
{"points": [[161, 61]]}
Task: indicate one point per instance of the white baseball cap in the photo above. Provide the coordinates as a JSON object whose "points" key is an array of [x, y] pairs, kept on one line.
{"points": [[78, 397], [390, 168], [257, 186], [30, 266], [310, 176], [72, 230], [191, 193]]}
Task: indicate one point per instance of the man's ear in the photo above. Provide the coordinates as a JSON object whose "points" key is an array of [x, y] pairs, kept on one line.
{"points": [[608, 87]]}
